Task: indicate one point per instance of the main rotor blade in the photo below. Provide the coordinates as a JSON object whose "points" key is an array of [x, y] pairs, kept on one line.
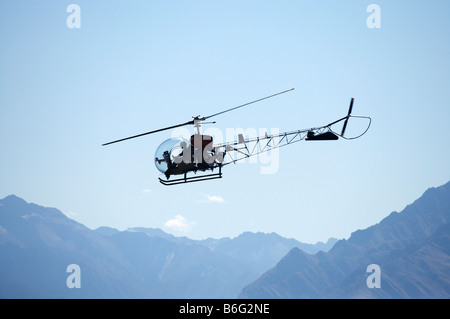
{"points": [[234, 108], [151, 132], [195, 119]]}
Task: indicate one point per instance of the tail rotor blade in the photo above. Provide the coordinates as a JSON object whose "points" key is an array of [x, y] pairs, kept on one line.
{"points": [[348, 116]]}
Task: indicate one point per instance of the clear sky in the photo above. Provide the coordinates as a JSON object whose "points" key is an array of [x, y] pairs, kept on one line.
{"points": [[136, 66]]}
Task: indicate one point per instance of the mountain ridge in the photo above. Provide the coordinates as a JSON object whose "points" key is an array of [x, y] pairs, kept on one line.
{"points": [[38, 243], [389, 243], [262, 249]]}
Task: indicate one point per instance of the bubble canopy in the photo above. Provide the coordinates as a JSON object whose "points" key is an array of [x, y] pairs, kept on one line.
{"points": [[167, 151]]}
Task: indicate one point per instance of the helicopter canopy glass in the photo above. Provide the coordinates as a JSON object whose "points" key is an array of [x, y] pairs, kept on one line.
{"points": [[167, 151]]}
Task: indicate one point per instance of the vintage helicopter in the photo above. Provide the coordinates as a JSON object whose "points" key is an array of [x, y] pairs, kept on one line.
{"points": [[177, 156]]}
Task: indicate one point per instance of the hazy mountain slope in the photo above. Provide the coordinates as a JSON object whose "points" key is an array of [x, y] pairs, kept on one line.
{"points": [[261, 249], [264, 249], [417, 271], [245, 257], [401, 244], [38, 243], [171, 270], [36, 246]]}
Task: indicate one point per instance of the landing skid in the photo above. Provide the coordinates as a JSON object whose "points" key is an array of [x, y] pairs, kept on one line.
{"points": [[192, 179]]}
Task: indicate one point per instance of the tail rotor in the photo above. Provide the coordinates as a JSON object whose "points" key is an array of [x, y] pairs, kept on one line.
{"points": [[347, 117]]}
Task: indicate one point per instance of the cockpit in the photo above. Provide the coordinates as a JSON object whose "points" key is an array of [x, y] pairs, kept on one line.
{"points": [[170, 153], [178, 156]]}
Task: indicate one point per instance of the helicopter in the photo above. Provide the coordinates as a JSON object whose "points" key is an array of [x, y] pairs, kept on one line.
{"points": [[178, 156]]}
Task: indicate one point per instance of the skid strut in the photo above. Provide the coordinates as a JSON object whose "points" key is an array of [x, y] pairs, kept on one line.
{"points": [[192, 179]]}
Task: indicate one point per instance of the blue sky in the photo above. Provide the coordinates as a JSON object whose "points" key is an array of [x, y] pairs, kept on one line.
{"points": [[135, 66]]}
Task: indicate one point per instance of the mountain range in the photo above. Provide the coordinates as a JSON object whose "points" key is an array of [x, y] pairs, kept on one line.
{"points": [[37, 244], [411, 249]]}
